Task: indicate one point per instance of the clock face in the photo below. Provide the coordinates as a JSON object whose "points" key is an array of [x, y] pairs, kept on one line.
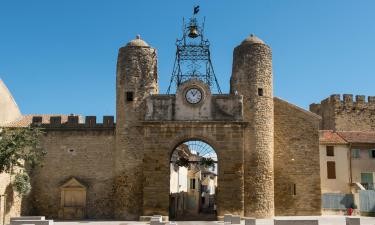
{"points": [[193, 95]]}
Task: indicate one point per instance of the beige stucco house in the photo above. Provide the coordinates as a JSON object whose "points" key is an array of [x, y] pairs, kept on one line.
{"points": [[347, 170]]}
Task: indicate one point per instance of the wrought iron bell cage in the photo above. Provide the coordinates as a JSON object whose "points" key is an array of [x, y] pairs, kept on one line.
{"points": [[193, 59]]}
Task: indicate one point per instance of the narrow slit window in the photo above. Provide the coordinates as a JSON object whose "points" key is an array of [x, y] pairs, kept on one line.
{"points": [[293, 189], [260, 91], [129, 96]]}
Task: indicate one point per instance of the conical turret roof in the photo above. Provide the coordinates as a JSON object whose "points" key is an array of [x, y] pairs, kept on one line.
{"points": [[137, 42], [252, 39]]}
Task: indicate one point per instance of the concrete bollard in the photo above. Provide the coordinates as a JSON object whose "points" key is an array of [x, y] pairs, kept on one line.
{"points": [[156, 220], [228, 218], [352, 221], [235, 219], [296, 222], [250, 221]]}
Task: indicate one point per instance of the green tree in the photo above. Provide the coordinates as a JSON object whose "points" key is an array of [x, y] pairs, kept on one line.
{"points": [[20, 147]]}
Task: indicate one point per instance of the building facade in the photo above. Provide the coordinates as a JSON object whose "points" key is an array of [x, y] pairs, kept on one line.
{"points": [[347, 154]]}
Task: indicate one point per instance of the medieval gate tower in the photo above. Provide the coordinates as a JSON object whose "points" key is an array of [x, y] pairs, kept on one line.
{"points": [[244, 118], [266, 149]]}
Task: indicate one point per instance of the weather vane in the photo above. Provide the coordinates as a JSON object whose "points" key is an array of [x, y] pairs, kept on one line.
{"points": [[196, 9], [193, 60]]}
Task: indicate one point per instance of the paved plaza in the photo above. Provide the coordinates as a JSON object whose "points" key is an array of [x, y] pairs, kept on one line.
{"points": [[323, 220]]}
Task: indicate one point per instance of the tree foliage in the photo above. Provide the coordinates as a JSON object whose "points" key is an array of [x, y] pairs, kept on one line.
{"points": [[207, 162], [22, 184], [20, 147]]}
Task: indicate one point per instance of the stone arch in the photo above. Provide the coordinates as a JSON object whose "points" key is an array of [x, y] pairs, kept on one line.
{"points": [[160, 141], [193, 188]]}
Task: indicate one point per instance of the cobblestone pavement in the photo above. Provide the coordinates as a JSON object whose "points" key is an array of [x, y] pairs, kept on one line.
{"points": [[323, 220]]}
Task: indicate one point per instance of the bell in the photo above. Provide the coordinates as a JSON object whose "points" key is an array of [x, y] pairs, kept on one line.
{"points": [[193, 32]]}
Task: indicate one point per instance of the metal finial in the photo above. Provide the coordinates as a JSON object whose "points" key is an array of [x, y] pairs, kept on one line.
{"points": [[138, 36]]}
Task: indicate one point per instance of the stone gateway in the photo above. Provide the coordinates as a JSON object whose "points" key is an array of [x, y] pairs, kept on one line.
{"points": [[267, 148]]}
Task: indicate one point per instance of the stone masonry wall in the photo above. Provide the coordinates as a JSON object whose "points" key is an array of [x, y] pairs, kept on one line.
{"points": [[84, 154], [296, 161], [346, 114]]}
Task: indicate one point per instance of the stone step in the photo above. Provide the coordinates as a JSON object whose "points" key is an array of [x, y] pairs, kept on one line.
{"points": [[34, 222], [28, 218]]}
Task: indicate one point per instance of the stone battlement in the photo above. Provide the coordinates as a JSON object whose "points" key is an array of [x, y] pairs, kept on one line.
{"points": [[344, 100], [73, 122], [343, 112]]}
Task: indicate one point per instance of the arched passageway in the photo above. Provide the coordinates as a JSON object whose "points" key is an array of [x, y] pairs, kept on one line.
{"points": [[193, 181]]}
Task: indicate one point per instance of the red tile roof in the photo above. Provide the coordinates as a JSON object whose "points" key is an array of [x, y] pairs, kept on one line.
{"points": [[330, 137], [26, 120], [357, 136]]}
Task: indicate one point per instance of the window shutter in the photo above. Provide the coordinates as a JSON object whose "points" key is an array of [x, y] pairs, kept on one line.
{"points": [[331, 170]]}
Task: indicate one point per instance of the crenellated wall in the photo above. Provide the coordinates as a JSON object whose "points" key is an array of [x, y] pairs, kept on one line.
{"points": [[343, 113], [84, 151], [74, 122]]}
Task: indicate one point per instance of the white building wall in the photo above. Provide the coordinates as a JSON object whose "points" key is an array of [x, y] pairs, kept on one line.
{"points": [[363, 164], [9, 110], [178, 180], [341, 159]]}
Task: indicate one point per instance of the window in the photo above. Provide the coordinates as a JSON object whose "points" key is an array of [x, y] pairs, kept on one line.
{"points": [[367, 180], [129, 96], [372, 153], [331, 170], [192, 183], [330, 151], [293, 189], [356, 153], [260, 91]]}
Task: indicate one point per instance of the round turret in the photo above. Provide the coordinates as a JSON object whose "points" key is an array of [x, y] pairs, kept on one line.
{"points": [[136, 80], [252, 69], [252, 78]]}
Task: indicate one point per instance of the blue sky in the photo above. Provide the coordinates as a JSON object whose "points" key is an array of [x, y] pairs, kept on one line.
{"points": [[60, 56]]}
